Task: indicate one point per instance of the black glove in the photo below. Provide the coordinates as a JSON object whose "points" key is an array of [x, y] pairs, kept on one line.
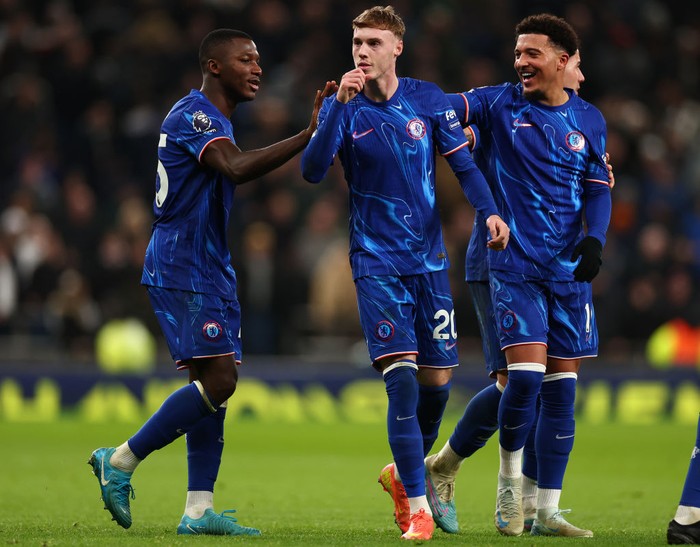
{"points": [[590, 250]]}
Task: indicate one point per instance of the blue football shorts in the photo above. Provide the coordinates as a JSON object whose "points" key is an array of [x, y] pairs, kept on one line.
{"points": [[558, 314], [410, 314], [197, 325], [491, 344]]}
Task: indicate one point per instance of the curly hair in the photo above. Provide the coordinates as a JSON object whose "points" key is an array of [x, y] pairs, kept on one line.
{"points": [[559, 32]]}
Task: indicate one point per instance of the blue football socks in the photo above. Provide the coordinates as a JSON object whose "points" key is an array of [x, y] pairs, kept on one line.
{"points": [[432, 401], [175, 417], [555, 429], [478, 423], [690, 496], [205, 444], [516, 412], [404, 433], [529, 451]]}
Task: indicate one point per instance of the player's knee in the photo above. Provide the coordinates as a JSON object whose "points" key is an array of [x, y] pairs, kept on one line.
{"points": [[221, 386], [434, 376]]}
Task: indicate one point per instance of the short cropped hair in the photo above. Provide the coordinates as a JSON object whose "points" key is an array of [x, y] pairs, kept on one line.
{"points": [[559, 32], [383, 18], [213, 40]]}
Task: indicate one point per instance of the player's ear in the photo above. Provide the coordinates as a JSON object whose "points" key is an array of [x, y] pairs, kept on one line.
{"points": [[563, 60], [213, 67], [399, 48]]}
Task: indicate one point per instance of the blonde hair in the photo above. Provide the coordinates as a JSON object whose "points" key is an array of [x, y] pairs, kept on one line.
{"points": [[383, 18]]}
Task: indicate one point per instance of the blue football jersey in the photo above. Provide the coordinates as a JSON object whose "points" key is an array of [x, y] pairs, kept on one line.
{"points": [[188, 248], [476, 266], [538, 161], [387, 151]]}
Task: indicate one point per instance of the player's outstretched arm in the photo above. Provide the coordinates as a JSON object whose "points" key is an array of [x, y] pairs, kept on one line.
{"points": [[243, 166], [330, 88], [500, 233]]}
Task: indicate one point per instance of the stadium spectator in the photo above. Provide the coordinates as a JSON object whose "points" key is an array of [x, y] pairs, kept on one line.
{"points": [[190, 280], [384, 130]]}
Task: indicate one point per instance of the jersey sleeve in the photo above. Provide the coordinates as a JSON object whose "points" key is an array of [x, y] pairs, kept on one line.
{"points": [[453, 145], [325, 142], [199, 128], [597, 184], [597, 170], [459, 103], [477, 104], [448, 134]]}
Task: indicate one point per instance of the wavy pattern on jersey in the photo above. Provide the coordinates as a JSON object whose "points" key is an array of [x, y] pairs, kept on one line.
{"points": [[503, 307], [394, 226], [412, 302], [580, 332], [188, 248], [539, 160]]}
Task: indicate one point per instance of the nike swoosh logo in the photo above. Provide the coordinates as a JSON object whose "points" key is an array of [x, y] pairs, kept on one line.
{"points": [[194, 530], [356, 135], [221, 440], [179, 432], [448, 347], [563, 436], [402, 418], [514, 426], [518, 123], [102, 473]]}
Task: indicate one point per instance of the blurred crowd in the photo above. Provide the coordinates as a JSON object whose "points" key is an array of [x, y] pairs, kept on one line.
{"points": [[85, 84]]}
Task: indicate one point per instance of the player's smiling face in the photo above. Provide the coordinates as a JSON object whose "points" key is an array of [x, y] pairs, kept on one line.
{"points": [[540, 67], [375, 51], [239, 69]]}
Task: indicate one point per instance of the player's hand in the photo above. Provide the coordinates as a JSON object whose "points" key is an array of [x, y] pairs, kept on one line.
{"points": [[350, 85], [500, 233], [591, 251], [330, 88], [611, 175]]}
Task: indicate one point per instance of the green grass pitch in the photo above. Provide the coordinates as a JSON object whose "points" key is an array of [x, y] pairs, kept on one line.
{"points": [[314, 484]]}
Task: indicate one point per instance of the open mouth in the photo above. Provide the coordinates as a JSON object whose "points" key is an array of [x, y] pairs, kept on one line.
{"points": [[254, 84], [526, 76]]}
